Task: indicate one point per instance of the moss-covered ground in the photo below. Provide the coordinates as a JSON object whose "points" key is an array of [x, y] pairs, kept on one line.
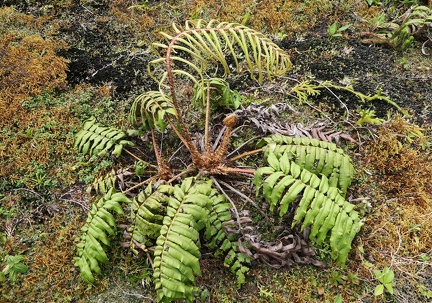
{"points": [[64, 61]]}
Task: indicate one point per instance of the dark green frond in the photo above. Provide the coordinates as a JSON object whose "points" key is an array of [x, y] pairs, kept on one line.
{"points": [[224, 244], [99, 226], [95, 139], [147, 213]]}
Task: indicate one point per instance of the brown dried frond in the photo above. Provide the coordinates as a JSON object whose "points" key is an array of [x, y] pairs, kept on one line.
{"points": [[284, 251]]}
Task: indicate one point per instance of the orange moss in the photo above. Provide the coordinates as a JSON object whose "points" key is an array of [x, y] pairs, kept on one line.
{"points": [[29, 67], [397, 233], [51, 275]]}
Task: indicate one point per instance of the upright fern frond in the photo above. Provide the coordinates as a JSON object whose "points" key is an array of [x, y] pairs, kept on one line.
{"points": [[318, 157], [220, 94], [95, 139], [321, 206], [99, 225], [151, 109], [214, 42], [177, 254]]}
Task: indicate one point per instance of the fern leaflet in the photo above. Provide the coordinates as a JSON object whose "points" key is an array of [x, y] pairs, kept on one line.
{"points": [[99, 225], [95, 139], [147, 210], [318, 157]]}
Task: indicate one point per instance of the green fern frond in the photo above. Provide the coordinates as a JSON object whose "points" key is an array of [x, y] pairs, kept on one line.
{"points": [[95, 139], [318, 157], [214, 42], [305, 89], [177, 254], [151, 109], [147, 210], [321, 206], [220, 94], [237, 261], [219, 214], [99, 226], [226, 245], [103, 184]]}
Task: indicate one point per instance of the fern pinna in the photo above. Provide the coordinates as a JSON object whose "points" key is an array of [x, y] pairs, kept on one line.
{"points": [[95, 139], [318, 172]]}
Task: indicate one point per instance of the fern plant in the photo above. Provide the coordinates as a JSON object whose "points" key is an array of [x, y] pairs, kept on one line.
{"points": [[173, 214]]}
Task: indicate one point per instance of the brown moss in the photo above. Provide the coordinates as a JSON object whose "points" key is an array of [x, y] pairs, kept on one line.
{"points": [[29, 66], [51, 276], [397, 233]]}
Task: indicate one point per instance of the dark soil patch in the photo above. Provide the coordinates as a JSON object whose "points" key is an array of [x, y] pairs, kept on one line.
{"points": [[369, 68], [102, 51]]}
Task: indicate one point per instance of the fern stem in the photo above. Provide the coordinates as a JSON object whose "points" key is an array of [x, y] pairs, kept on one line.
{"points": [[245, 154], [187, 171], [196, 157], [237, 170], [207, 121], [138, 158], [140, 184], [244, 197], [163, 168]]}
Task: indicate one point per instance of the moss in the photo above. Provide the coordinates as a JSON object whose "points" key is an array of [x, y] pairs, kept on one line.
{"points": [[29, 66]]}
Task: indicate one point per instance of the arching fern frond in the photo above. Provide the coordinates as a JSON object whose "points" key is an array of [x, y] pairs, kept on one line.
{"points": [[95, 139], [151, 109], [213, 42], [177, 254], [99, 226], [321, 206], [318, 157]]}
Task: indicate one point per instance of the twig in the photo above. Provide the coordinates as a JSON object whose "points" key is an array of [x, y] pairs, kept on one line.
{"points": [[334, 95], [131, 294], [228, 198], [138, 158], [139, 184], [238, 148], [244, 197], [29, 190]]}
